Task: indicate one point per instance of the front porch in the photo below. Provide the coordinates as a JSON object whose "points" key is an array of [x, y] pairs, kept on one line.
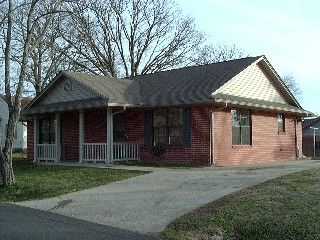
{"points": [[72, 136]]}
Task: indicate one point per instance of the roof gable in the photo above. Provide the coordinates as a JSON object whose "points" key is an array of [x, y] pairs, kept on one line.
{"points": [[67, 90], [259, 81], [117, 91], [253, 83]]}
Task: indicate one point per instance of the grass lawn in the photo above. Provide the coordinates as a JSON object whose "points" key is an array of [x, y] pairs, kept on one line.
{"points": [[38, 182], [284, 208]]}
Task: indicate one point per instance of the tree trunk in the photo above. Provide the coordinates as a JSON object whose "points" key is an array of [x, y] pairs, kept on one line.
{"points": [[6, 168]]}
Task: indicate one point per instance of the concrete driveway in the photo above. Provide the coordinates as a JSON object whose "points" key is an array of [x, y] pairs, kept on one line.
{"points": [[21, 223], [148, 203]]}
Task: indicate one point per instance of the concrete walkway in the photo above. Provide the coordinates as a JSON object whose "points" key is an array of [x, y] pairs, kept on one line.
{"points": [[148, 203]]}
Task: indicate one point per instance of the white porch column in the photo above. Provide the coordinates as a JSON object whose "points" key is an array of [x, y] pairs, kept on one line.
{"points": [[110, 134], [81, 135], [35, 139], [57, 137]]}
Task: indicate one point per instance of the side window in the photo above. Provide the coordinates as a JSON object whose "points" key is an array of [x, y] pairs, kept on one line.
{"points": [[281, 123], [241, 127]]}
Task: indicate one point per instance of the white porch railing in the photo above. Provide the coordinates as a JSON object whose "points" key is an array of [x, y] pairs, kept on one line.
{"points": [[98, 152], [125, 151], [95, 152], [46, 152]]}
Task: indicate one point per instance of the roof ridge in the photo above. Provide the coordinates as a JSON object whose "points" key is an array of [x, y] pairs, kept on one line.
{"points": [[193, 66]]}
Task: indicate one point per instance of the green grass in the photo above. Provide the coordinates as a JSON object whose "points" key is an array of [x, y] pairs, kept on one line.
{"points": [[284, 208], [39, 181]]}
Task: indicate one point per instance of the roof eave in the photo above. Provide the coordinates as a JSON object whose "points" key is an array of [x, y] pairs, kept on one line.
{"points": [[281, 82], [268, 107]]}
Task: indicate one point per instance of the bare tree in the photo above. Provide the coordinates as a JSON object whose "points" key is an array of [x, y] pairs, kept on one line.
{"points": [[126, 38], [45, 59], [293, 86], [17, 40], [217, 53]]}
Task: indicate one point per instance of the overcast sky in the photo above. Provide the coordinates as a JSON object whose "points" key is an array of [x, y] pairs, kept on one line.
{"points": [[287, 32]]}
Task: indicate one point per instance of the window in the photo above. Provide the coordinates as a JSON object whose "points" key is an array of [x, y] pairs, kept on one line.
{"points": [[168, 126], [241, 127], [47, 130], [281, 121], [119, 128]]}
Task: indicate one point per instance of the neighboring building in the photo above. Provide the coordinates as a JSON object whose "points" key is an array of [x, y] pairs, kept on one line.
{"points": [[225, 113], [20, 137], [311, 144]]}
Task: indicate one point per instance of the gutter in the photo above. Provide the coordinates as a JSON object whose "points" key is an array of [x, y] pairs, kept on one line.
{"points": [[121, 111]]}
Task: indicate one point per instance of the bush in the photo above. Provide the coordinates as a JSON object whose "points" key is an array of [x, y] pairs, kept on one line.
{"points": [[158, 150]]}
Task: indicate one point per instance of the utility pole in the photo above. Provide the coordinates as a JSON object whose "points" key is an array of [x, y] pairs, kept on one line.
{"points": [[314, 140]]}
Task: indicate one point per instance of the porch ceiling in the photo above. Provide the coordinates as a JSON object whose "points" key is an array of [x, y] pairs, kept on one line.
{"points": [[65, 106]]}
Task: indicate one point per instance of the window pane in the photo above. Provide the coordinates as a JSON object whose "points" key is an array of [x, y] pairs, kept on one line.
{"points": [[280, 123], [235, 118], [236, 139], [175, 117], [175, 136], [245, 118], [159, 118], [160, 136], [245, 135]]}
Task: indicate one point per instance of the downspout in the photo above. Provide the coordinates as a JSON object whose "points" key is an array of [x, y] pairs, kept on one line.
{"points": [[212, 161], [121, 111]]}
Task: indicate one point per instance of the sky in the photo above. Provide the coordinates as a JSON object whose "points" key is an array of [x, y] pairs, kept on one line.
{"points": [[286, 32]]}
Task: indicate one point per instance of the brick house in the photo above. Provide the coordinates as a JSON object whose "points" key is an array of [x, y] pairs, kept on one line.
{"points": [[226, 113]]}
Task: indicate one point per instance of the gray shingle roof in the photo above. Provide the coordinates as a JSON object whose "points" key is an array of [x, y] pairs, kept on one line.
{"points": [[121, 91], [190, 84]]}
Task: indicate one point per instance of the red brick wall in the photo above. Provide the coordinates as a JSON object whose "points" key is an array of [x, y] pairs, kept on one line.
{"points": [[267, 144], [70, 136], [30, 142], [198, 153], [95, 126], [134, 125]]}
